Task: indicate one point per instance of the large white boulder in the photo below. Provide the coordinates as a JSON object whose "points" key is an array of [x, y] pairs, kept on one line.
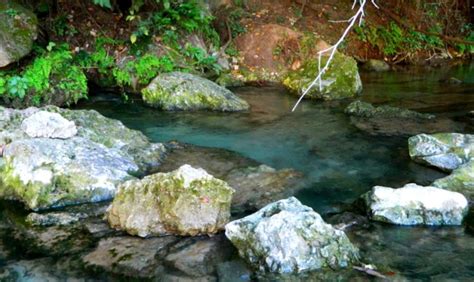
{"points": [[416, 205]]}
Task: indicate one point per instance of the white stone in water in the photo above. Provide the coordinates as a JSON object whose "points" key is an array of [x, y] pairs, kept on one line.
{"points": [[287, 236], [416, 205], [45, 124]]}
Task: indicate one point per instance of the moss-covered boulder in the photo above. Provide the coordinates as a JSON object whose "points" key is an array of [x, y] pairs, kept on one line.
{"points": [[416, 205], [446, 151], [186, 201], [18, 30], [460, 180], [287, 236], [341, 80], [178, 91], [86, 167]]}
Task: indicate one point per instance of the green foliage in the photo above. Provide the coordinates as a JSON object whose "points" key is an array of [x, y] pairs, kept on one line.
{"points": [[468, 29], [142, 70], [392, 40], [17, 86], [201, 60], [103, 3], [235, 26], [176, 16], [51, 73], [11, 12], [61, 26]]}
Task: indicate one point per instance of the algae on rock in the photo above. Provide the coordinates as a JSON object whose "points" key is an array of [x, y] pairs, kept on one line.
{"points": [[186, 201], [18, 30], [87, 167], [178, 91], [341, 80]]}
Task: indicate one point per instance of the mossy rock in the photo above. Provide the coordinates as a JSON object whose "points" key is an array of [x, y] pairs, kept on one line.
{"points": [[461, 180], [187, 92], [18, 30], [340, 81], [186, 201]]}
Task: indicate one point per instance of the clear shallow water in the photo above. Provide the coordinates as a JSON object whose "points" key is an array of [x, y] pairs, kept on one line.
{"points": [[339, 161]]}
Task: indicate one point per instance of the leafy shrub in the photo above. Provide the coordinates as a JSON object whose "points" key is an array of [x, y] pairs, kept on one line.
{"points": [[50, 79], [392, 40]]}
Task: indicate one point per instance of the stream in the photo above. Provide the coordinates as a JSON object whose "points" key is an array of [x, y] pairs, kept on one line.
{"points": [[339, 161]]}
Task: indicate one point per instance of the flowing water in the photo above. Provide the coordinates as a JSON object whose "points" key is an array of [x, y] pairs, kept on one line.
{"points": [[339, 161]]}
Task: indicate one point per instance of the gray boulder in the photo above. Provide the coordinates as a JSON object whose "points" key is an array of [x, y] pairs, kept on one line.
{"points": [[287, 237], [18, 31], [186, 201], [50, 172], [178, 91], [446, 151], [416, 205]]}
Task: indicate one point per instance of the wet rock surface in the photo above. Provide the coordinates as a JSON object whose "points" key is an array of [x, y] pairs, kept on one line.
{"points": [[288, 237]]}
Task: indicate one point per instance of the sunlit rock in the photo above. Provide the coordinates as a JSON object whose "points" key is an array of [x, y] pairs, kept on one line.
{"points": [[287, 237], [187, 201], [48, 125], [86, 167], [416, 205]]}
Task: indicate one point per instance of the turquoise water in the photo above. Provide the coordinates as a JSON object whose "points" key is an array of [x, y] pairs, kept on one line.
{"points": [[339, 161]]}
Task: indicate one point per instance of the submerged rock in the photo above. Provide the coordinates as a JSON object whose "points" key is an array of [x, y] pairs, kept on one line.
{"points": [[416, 205], [446, 151], [198, 257], [129, 256], [54, 218], [260, 185], [367, 110], [461, 180], [255, 185], [186, 201], [393, 121], [287, 236], [18, 31], [341, 80], [87, 167], [376, 65], [187, 92]]}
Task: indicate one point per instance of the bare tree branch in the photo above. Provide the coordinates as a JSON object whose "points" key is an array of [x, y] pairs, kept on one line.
{"points": [[357, 17]]}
